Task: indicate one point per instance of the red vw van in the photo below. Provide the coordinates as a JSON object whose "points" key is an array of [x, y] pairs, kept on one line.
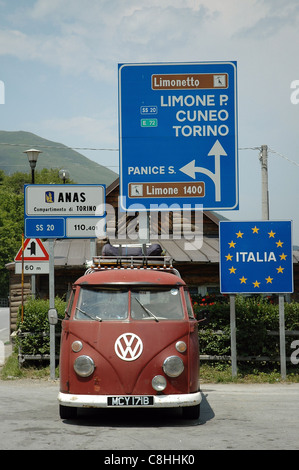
{"points": [[129, 339]]}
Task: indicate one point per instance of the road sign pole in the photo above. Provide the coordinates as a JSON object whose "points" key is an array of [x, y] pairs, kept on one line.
{"points": [[232, 303], [282, 344], [52, 306]]}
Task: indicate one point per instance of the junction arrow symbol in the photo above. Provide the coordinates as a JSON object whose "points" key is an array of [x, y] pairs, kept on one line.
{"points": [[37, 251], [190, 169]]}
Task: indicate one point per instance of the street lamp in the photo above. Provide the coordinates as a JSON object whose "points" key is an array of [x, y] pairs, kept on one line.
{"points": [[64, 174], [32, 155]]}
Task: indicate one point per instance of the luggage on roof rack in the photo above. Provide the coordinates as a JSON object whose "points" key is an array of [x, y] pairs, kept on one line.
{"points": [[127, 250], [131, 257]]}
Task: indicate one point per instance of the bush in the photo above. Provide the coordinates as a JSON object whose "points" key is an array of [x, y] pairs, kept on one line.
{"points": [[255, 316], [34, 332]]}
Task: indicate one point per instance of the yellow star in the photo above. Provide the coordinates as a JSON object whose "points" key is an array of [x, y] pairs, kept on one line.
{"points": [[283, 256], [228, 257], [239, 234], [232, 244], [279, 243], [271, 234], [232, 270], [280, 270], [269, 280], [243, 280], [256, 284], [255, 229]]}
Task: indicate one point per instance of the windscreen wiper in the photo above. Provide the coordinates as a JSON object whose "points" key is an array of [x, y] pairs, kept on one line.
{"points": [[146, 309], [87, 315]]}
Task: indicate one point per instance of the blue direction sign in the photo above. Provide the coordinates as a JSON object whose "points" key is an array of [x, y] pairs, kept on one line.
{"points": [[178, 135], [256, 257]]}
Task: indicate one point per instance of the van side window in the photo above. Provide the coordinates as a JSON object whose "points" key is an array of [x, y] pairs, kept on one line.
{"points": [[189, 304], [70, 304]]}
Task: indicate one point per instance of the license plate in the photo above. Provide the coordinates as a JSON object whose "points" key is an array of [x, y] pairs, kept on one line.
{"points": [[130, 401]]}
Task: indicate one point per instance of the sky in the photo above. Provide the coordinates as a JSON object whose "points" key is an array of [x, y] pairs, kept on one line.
{"points": [[59, 80]]}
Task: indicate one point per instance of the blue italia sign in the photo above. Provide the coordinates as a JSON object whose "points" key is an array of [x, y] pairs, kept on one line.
{"points": [[178, 135], [256, 257]]}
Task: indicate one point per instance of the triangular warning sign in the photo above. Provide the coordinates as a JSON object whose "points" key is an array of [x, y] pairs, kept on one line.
{"points": [[34, 250]]}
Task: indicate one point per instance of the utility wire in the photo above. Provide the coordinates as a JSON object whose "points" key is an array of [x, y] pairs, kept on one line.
{"points": [[116, 150], [273, 151], [57, 147], [9, 144], [283, 156]]}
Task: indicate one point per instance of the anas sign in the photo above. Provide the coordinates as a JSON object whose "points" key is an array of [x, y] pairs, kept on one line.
{"points": [[63, 211]]}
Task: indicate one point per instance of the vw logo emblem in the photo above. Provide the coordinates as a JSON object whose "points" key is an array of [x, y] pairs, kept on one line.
{"points": [[128, 347]]}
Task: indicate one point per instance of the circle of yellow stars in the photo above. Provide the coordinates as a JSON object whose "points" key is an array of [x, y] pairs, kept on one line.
{"points": [[269, 279]]}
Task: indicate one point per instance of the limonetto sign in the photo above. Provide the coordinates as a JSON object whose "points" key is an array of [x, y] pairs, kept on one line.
{"points": [[178, 135]]}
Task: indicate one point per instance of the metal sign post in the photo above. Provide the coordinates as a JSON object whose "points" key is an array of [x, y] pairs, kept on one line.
{"points": [[52, 306], [232, 306], [282, 343]]}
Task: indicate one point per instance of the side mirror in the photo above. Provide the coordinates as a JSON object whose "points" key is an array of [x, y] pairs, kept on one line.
{"points": [[203, 316], [52, 316]]}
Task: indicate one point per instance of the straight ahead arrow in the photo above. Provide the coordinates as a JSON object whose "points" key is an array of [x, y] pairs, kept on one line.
{"points": [[190, 169], [217, 150]]}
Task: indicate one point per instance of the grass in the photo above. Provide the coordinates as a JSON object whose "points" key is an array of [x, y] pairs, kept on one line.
{"points": [[209, 373], [246, 373], [12, 370]]}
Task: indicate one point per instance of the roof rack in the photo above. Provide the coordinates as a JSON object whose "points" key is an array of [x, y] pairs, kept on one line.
{"points": [[101, 263]]}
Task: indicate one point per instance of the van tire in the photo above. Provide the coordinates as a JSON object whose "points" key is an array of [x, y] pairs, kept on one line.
{"points": [[67, 412], [191, 412]]}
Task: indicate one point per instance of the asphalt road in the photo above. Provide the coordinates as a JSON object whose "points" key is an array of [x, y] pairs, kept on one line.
{"points": [[233, 417]]}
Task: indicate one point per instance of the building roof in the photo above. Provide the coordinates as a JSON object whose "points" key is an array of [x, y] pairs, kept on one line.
{"points": [[75, 252]]}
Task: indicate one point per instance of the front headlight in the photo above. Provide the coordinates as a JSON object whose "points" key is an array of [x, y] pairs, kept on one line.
{"points": [[159, 383], [84, 366], [173, 366]]}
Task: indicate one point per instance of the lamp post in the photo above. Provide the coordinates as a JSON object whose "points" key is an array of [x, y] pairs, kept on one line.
{"points": [[32, 155], [64, 174]]}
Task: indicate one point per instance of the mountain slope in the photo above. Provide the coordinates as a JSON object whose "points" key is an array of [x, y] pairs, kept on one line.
{"points": [[82, 170]]}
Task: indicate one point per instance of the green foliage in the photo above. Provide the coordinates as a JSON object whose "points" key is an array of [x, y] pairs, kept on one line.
{"points": [[255, 317], [34, 338]]}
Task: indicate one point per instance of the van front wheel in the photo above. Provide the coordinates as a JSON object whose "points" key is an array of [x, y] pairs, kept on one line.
{"points": [[67, 412], [191, 412]]}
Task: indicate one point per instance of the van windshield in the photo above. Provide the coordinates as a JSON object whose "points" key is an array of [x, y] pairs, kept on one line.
{"points": [[157, 303], [162, 303], [102, 304]]}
